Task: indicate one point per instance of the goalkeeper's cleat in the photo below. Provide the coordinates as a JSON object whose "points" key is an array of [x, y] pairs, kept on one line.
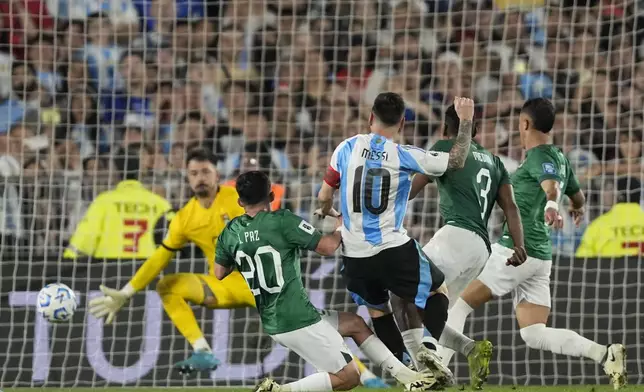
{"points": [[267, 385], [479, 363], [199, 361], [431, 360], [375, 383], [615, 365], [425, 382]]}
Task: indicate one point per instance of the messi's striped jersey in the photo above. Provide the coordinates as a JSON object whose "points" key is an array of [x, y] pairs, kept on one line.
{"points": [[374, 176]]}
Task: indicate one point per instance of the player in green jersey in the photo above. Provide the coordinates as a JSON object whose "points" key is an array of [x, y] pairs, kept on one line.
{"points": [[539, 183], [467, 197], [265, 247]]}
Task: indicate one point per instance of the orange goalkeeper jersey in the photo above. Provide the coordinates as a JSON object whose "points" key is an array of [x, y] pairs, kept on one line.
{"points": [[119, 224]]}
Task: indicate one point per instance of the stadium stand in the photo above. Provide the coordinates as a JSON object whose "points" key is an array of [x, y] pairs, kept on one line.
{"points": [[276, 85]]}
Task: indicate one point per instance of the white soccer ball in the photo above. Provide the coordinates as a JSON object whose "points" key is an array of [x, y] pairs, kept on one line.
{"points": [[56, 302]]}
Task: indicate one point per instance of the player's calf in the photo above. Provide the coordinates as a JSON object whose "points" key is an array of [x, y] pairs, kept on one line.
{"points": [[353, 326]]}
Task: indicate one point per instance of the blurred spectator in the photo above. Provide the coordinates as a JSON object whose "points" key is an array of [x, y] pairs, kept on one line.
{"points": [[620, 231], [278, 84]]}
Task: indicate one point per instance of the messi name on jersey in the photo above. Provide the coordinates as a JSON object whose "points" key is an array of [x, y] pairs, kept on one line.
{"points": [[374, 155]]}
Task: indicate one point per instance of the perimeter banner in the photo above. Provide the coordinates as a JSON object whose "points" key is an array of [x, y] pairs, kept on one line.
{"points": [[601, 299]]}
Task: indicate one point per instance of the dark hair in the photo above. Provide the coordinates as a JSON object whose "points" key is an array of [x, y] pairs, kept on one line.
{"points": [[388, 108], [201, 155], [628, 190], [17, 64], [541, 112], [193, 115], [128, 163], [253, 187], [452, 123]]}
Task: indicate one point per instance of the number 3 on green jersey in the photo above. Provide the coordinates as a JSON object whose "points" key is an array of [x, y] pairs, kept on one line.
{"points": [[467, 195]]}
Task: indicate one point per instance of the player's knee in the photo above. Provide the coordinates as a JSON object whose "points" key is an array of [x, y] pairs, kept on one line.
{"points": [[436, 314], [533, 335], [349, 377], [164, 285], [356, 324]]}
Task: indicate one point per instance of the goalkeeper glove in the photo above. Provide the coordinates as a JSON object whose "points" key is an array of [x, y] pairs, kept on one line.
{"points": [[107, 305]]}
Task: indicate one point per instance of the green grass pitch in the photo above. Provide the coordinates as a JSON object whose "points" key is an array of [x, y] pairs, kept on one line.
{"points": [[585, 388]]}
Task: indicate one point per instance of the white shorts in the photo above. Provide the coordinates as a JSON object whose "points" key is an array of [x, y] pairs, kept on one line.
{"points": [[319, 344], [528, 282], [460, 254]]}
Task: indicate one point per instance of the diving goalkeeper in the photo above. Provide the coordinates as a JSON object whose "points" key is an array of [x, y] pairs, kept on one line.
{"points": [[201, 221]]}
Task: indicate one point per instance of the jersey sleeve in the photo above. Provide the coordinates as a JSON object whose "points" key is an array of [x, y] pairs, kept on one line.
{"points": [[89, 231], [176, 238], [223, 256], [332, 174], [572, 186], [543, 166], [299, 233], [417, 160]]}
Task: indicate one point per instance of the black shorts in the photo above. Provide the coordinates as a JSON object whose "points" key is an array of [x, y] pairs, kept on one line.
{"points": [[404, 270]]}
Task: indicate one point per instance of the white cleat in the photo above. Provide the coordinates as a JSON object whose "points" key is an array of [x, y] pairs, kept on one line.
{"points": [[615, 365], [425, 382], [431, 360], [268, 385]]}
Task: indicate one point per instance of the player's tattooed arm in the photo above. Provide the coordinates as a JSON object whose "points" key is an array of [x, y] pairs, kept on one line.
{"points": [[461, 147], [465, 109]]}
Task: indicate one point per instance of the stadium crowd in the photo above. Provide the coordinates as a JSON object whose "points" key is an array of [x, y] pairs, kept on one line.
{"points": [[277, 84]]}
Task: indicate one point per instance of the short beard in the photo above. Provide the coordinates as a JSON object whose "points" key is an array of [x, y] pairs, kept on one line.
{"points": [[202, 193]]}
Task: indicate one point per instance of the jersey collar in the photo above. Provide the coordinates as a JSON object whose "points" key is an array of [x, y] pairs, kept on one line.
{"points": [[129, 184], [626, 207]]}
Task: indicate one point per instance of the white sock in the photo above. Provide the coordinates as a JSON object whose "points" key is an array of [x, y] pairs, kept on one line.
{"points": [[456, 320], [562, 341], [452, 339], [201, 344], [413, 339], [380, 355], [314, 382], [365, 375]]}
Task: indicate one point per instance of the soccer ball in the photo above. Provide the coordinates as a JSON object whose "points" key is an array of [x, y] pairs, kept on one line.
{"points": [[56, 302]]}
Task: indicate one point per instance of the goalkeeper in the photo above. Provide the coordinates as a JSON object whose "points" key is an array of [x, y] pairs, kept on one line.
{"points": [[201, 221]]}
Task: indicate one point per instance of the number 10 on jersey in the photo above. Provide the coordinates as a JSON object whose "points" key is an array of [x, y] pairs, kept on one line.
{"points": [[374, 177]]}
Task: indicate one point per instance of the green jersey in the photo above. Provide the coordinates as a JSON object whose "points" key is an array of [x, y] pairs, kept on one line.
{"points": [[467, 195], [266, 250], [544, 162]]}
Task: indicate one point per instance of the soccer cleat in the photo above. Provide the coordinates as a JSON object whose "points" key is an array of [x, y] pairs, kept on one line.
{"points": [[431, 360], [267, 385], [375, 383], [479, 363], [615, 365], [425, 382], [199, 361]]}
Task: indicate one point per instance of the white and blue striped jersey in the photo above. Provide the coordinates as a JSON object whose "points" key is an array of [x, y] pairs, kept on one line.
{"points": [[374, 175]]}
